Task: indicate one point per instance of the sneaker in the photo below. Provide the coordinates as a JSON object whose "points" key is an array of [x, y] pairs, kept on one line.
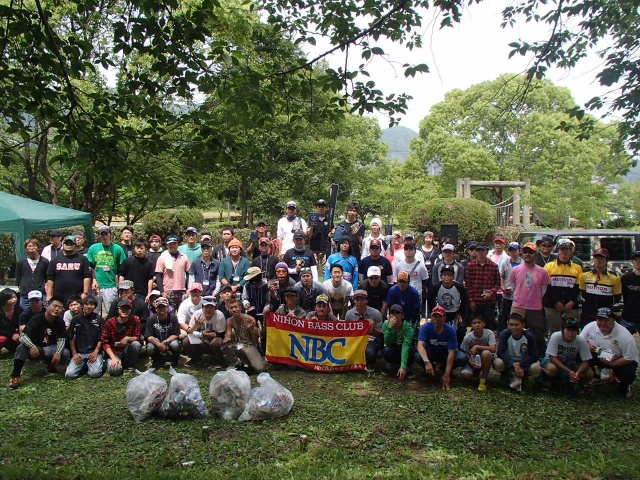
{"points": [[410, 373], [192, 361], [371, 371], [482, 386], [14, 382], [626, 391]]}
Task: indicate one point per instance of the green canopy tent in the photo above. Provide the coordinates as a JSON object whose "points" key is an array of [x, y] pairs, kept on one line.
{"points": [[21, 216]]}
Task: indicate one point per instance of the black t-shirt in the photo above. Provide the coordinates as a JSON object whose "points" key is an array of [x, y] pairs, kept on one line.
{"points": [[138, 309], [43, 333], [381, 262], [139, 271], [293, 256], [320, 241], [86, 331], [68, 274], [345, 229], [161, 331], [377, 295], [128, 249], [631, 297], [266, 264]]}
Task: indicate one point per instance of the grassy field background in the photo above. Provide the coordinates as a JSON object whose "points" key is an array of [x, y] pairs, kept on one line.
{"points": [[358, 427]]}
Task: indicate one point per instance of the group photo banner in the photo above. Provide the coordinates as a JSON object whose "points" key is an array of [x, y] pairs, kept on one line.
{"points": [[323, 346]]}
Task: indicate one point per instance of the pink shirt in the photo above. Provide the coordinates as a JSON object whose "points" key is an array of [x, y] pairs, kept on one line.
{"points": [[529, 283], [174, 279]]}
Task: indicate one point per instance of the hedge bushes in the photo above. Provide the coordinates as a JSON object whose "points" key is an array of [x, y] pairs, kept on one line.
{"points": [[165, 222], [476, 219]]}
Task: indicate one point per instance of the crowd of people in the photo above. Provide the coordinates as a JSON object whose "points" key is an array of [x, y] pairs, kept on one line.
{"points": [[523, 310]]}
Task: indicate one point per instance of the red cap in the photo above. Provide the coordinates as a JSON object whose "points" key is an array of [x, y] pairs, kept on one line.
{"points": [[155, 237], [499, 240], [438, 311], [601, 251]]}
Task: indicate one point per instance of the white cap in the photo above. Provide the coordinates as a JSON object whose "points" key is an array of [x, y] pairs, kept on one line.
{"points": [[374, 271], [377, 221], [34, 295], [448, 246]]}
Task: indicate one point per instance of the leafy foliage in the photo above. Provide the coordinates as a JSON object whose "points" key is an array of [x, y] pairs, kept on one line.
{"points": [[165, 222], [475, 219]]}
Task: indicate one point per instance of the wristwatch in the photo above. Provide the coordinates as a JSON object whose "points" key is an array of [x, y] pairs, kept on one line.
{"points": [[426, 362]]}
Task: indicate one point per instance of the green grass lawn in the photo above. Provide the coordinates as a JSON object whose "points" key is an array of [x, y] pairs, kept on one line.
{"points": [[357, 427]]}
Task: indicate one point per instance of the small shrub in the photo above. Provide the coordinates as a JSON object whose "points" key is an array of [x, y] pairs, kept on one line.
{"points": [[475, 219]]}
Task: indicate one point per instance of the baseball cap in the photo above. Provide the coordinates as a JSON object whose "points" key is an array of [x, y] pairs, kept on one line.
{"points": [[155, 238], [124, 303], [291, 203], [125, 285], [499, 240], [321, 201], [403, 276], [78, 233], [195, 286], [602, 252], [375, 243], [447, 268], [482, 246], [192, 230], [225, 287], [360, 294], [408, 236], [438, 311], [162, 302], [635, 254], [261, 222], [545, 239], [395, 308], [235, 243], [34, 295], [472, 245], [264, 240], [154, 293], [448, 247], [56, 232], [604, 312], [104, 229], [305, 271], [70, 238], [571, 323], [322, 299], [409, 246], [209, 300], [531, 246], [514, 246], [374, 271], [172, 239], [206, 243], [564, 243], [290, 291], [299, 234]]}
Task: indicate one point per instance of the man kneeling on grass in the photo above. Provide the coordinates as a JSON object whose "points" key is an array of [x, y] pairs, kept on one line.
{"points": [[42, 338], [517, 352], [480, 345], [398, 348], [243, 330], [85, 340], [121, 339], [567, 358], [162, 334], [437, 343]]}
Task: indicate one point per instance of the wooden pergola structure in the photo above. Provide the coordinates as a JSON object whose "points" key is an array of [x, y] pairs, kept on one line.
{"points": [[463, 190]]}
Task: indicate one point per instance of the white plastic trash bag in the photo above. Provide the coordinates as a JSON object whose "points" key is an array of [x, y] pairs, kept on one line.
{"points": [[183, 398], [230, 391], [269, 400], [145, 394]]}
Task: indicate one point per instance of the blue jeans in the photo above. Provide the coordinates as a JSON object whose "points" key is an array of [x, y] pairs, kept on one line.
{"points": [[393, 355], [46, 353], [172, 354], [460, 361], [127, 358], [94, 369]]}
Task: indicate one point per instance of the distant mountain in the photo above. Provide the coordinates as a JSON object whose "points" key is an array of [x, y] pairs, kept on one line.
{"points": [[634, 173], [398, 139]]}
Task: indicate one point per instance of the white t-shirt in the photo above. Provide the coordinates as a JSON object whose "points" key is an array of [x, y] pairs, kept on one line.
{"points": [[619, 341], [285, 230], [217, 323], [419, 273], [487, 339], [338, 296], [568, 353], [187, 309]]}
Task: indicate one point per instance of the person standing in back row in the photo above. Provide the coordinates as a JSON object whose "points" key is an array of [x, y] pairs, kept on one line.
{"points": [[287, 226], [352, 229], [105, 257]]}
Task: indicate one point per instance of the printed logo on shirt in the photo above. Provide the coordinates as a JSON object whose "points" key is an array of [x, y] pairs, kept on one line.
{"points": [[524, 348], [67, 266], [558, 281], [598, 289]]}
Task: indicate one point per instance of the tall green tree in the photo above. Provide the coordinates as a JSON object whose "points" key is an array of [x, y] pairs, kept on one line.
{"points": [[484, 134]]}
